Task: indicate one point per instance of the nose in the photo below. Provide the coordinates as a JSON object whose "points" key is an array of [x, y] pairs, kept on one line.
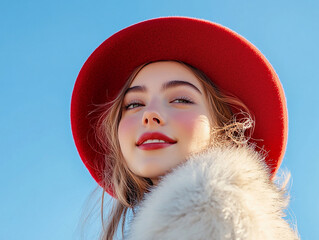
{"points": [[152, 118]]}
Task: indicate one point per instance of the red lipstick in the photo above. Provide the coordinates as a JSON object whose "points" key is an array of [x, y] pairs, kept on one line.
{"points": [[154, 140]]}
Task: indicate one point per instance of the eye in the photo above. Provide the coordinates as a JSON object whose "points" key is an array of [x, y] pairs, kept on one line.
{"points": [[133, 105], [184, 100]]}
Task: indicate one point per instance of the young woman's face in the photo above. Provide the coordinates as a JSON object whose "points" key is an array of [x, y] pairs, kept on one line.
{"points": [[165, 118]]}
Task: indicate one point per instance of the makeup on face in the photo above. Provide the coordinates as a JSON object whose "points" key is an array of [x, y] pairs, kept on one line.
{"points": [[165, 118]]}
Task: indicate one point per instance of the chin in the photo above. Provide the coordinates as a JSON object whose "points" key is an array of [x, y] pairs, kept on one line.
{"points": [[152, 174], [154, 167], [152, 171]]}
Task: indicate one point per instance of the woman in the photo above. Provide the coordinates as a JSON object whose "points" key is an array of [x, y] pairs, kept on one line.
{"points": [[162, 118]]}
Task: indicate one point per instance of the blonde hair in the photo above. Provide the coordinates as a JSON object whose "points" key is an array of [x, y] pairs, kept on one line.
{"points": [[129, 188]]}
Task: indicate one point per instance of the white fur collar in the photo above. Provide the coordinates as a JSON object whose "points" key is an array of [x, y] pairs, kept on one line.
{"points": [[217, 194]]}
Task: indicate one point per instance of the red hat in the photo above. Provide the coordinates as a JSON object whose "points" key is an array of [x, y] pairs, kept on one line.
{"points": [[234, 64]]}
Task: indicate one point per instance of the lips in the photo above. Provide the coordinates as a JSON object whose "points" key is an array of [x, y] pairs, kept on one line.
{"points": [[154, 138]]}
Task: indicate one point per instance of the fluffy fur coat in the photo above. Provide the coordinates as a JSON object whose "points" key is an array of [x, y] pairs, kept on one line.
{"points": [[217, 194]]}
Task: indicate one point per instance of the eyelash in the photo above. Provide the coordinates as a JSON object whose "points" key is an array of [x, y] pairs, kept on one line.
{"points": [[127, 107], [184, 100]]}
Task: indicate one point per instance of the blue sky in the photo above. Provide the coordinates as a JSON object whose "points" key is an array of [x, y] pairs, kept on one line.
{"points": [[43, 45]]}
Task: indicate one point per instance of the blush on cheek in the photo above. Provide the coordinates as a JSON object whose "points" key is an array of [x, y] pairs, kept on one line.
{"points": [[186, 120], [127, 133], [125, 125], [193, 130], [129, 123]]}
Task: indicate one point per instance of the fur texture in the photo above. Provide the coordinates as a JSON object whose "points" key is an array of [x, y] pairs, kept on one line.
{"points": [[217, 194]]}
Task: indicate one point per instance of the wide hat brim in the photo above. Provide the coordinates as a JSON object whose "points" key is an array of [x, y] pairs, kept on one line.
{"points": [[234, 65]]}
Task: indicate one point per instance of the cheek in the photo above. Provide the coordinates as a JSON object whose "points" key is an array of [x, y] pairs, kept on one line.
{"points": [[191, 121], [194, 130], [185, 119], [125, 125], [126, 132]]}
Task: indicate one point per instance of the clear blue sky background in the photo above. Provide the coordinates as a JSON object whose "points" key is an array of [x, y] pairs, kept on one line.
{"points": [[43, 45]]}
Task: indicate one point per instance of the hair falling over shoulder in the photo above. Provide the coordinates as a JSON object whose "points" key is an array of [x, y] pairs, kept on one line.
{"points": [[234, 126]]}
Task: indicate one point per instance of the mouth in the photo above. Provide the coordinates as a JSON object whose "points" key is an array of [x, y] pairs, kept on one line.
{"points": [[154, 140]]}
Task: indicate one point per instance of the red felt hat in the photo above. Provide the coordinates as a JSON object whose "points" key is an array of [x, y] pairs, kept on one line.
{"points": [[234, 64]]}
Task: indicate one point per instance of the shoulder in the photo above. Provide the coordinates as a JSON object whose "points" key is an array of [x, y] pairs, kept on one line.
{"points": [[219, 193]]}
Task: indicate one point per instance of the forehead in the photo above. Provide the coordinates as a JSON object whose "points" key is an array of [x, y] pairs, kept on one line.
{"points": [[157, 73]]}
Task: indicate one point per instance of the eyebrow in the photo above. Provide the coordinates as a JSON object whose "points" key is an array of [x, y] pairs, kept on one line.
{"points": [[165, 86]]}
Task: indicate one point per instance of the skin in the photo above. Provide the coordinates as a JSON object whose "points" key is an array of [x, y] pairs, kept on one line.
{"points": [[179, 111]]}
